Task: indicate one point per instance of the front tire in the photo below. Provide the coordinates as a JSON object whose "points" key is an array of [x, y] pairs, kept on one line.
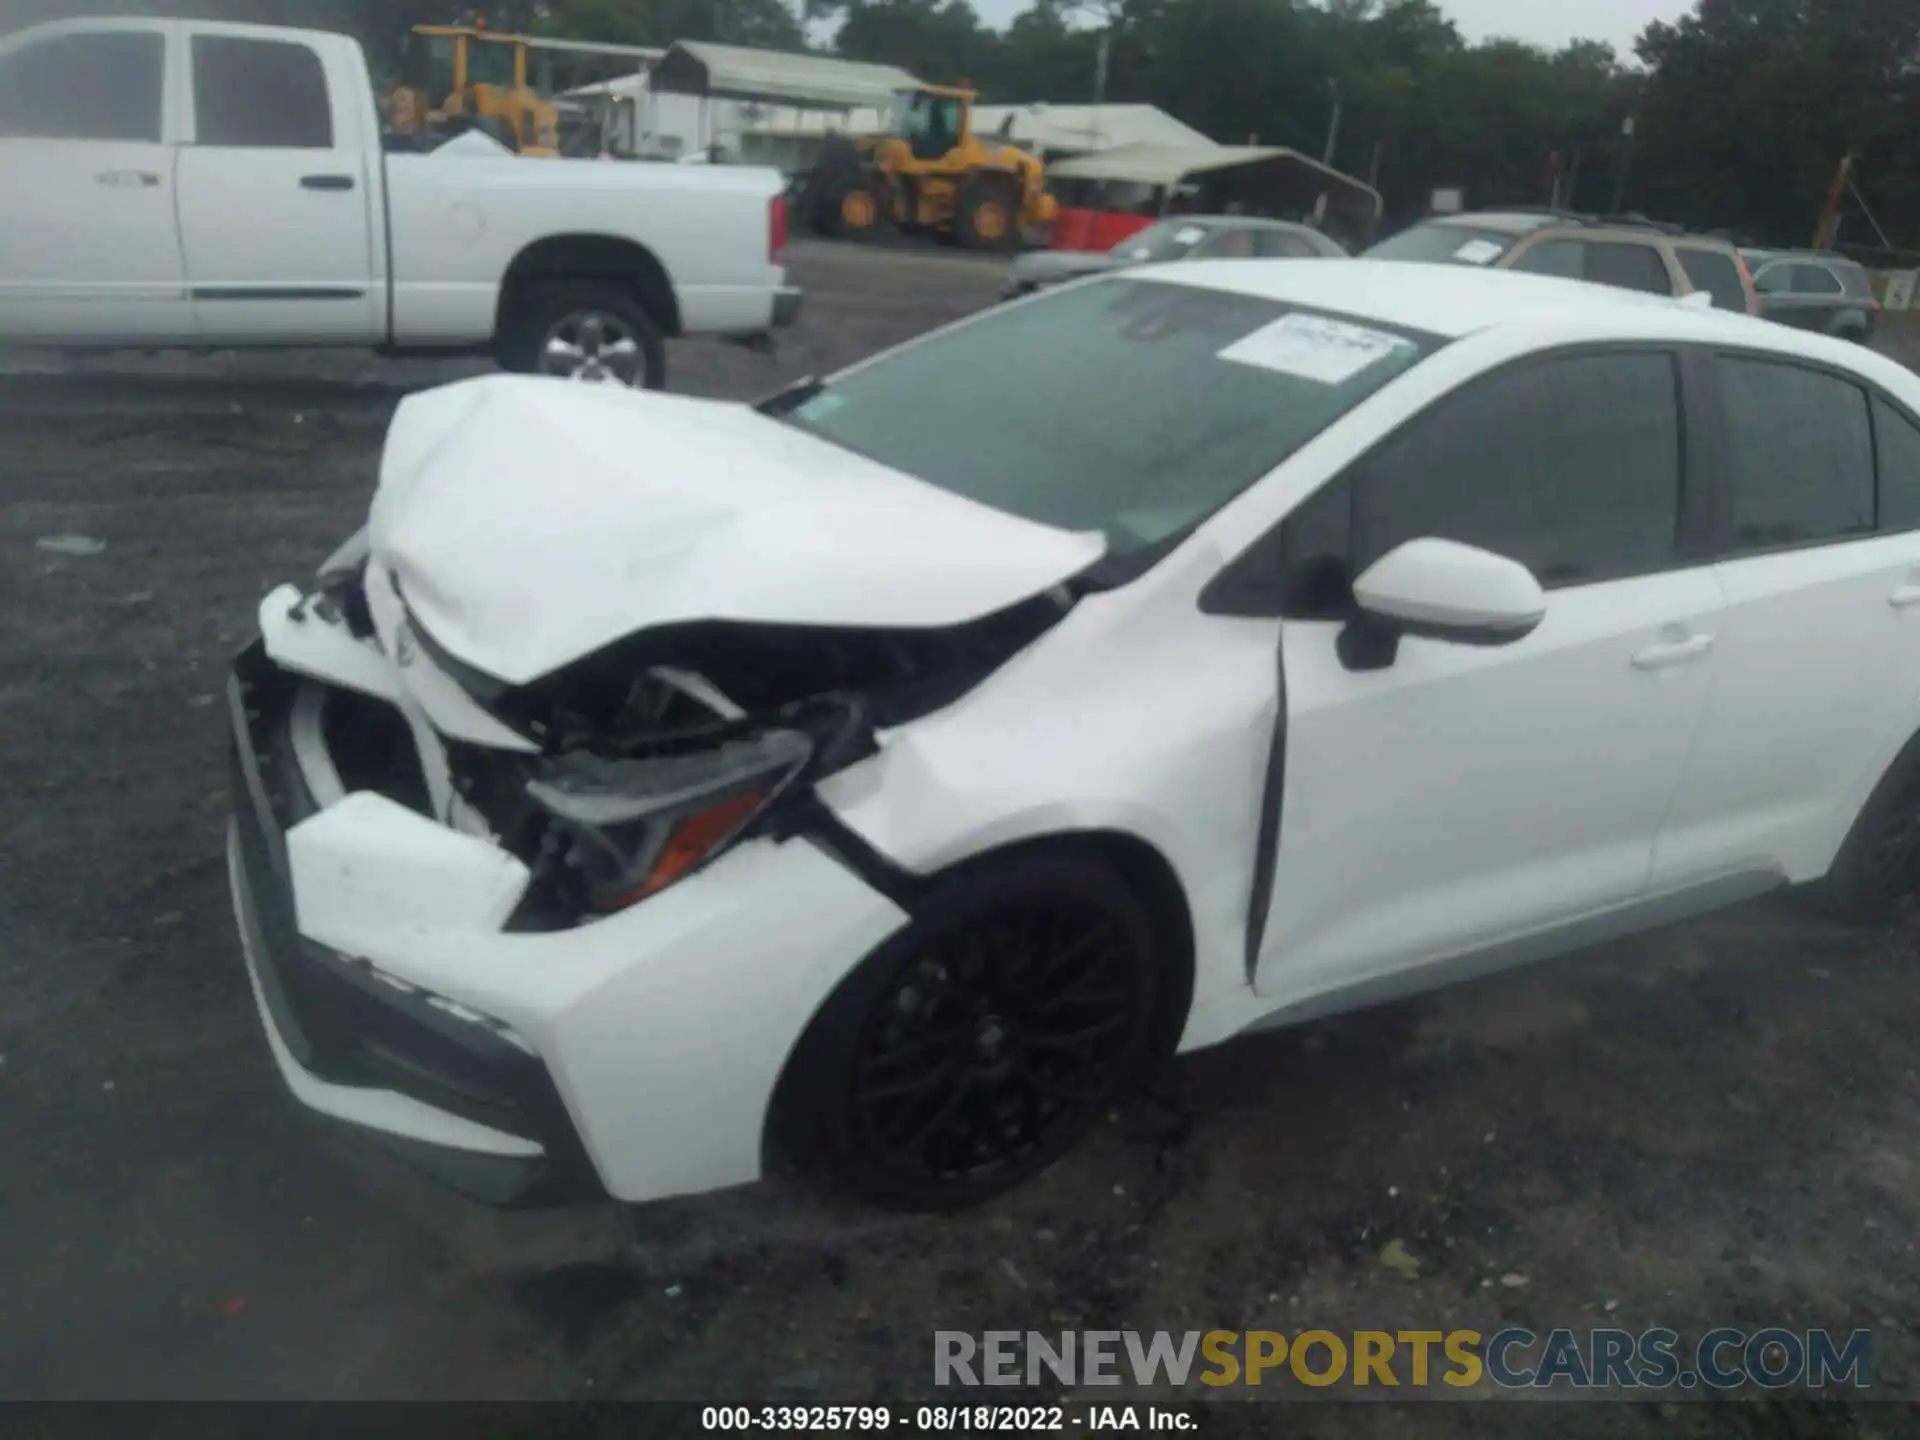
{"points": [[595, 331], [977, 1046], [987, 213]]}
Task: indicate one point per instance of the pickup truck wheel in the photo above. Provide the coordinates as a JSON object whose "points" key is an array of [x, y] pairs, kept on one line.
{"points": [[591, 331]]}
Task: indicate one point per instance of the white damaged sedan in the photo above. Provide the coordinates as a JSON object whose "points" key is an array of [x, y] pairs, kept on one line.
{"points": [[887, 774]]}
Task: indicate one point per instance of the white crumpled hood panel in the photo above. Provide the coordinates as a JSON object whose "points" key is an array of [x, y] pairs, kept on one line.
{"points": [[531, 522]]}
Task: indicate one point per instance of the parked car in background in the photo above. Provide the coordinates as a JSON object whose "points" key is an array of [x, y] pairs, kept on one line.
{"points": [[183, 183], [1814, 290], [1183, 237], [1628, 252], [890, 773]]}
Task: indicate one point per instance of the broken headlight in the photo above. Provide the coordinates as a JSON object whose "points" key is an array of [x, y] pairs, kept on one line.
{"points": [[630, 828]]}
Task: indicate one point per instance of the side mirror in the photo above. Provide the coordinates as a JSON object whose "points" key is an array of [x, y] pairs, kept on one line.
{"points": [[1440, 590], [1697, 300]]}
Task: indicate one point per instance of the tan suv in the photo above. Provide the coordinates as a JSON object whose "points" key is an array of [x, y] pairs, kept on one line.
{"points": [[1628, 251]]}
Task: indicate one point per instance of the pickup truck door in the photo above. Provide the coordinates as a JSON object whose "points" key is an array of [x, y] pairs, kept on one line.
{"points": [[278, 198], [89, 250]]}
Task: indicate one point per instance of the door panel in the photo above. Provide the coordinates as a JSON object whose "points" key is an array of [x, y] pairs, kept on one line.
{"points": [[276, 206], [1818, 667], [1818, 680], [1467, 795], [95, 254]]}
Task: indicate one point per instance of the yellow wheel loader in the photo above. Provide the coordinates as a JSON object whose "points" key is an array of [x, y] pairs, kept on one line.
{"points": [[929, 172], [458, 77]]}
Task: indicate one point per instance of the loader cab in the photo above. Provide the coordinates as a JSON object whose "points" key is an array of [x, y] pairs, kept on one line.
{"points": [[934, 120]]}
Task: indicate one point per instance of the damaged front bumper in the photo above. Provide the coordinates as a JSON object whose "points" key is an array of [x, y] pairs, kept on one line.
{"points": [[635, 1055]]}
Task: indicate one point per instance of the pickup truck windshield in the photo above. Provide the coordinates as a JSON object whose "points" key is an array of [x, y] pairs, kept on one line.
{"points": [[1131, 407]]}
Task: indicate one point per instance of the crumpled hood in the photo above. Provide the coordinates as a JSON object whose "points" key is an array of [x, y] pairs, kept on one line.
{"points": [[530, 522], [1051, 267]]}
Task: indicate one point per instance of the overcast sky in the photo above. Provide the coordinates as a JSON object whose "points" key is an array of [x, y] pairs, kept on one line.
{"points": [[1544, 22]]}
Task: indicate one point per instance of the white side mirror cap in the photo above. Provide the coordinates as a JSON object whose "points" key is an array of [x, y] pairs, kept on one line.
{"points": [[1452, 591], [1697, 300]]}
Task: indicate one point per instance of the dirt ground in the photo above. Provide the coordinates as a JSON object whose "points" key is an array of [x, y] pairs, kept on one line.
{"points": [[1719, 1125]]}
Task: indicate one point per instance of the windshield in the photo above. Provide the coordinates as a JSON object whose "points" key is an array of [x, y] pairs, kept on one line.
{"points": [[1168, 240], [1129, 407], [1440, 243]]}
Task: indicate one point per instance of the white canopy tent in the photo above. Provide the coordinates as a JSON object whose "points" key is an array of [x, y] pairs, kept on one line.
{"points": [[778, 77]]}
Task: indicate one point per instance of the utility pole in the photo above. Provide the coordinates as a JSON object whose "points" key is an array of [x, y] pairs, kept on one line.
{"points": [[1333, 123], [1101, 52], [1626, 158]]}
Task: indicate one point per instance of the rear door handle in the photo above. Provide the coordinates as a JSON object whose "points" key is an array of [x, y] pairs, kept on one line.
{"points": [[1905, 598], [1673, 652], [327, 182], [127, 179]]}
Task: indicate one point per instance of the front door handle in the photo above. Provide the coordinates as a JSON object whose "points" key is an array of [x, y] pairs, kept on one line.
{"points": [[1905, 598], [1674, 652], [326, 182], [127, 179]]}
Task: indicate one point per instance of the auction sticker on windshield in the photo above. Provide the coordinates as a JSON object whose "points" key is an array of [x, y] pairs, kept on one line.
{"points": [[1477, 252], [1314, 348]]}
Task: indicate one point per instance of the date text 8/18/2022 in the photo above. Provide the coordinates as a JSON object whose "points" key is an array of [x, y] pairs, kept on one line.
{"points": [[947, 1419]]}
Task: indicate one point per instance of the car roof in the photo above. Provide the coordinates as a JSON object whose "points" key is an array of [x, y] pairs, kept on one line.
{"points": [[1511, 223], [1529, 222], [1810, 257], [1453, 301]]}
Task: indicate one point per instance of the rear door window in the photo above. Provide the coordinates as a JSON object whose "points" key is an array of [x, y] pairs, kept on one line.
{"points": [[260, 94], [1628, 267], [1800, 454], [1813, 280], [102, 86], [1715, 273]]}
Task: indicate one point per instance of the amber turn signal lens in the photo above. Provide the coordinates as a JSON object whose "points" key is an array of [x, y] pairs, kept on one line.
{"points": [[691, 840]]}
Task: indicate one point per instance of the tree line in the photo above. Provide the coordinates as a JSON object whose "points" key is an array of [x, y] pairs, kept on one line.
{"points": [[1734, 117]]}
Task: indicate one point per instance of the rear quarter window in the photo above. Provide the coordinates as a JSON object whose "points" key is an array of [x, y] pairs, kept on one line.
{"points": [[1715, 273]]}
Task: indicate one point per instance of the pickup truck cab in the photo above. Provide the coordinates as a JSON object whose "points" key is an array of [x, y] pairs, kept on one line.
{"points": [[180, 183]]}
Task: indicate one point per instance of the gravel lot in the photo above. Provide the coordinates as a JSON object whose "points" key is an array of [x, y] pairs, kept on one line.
{"points": [[1717, 1125]]}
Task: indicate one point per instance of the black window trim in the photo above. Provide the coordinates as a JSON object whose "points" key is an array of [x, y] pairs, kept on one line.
{"points": [[1253, 584], [1724, 548]]}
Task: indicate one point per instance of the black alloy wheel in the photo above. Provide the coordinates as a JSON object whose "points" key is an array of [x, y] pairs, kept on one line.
{"points": [[974, 1049]]}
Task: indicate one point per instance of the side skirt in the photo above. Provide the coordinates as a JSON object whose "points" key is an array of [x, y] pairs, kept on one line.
{"points": [[1636, 917]]}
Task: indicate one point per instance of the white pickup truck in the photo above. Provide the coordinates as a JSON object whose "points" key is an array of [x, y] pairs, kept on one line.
{"points": [[180, 183]]}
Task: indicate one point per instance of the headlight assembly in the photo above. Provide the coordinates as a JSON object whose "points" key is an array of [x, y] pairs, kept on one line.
{"points": [[633, 827]]}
